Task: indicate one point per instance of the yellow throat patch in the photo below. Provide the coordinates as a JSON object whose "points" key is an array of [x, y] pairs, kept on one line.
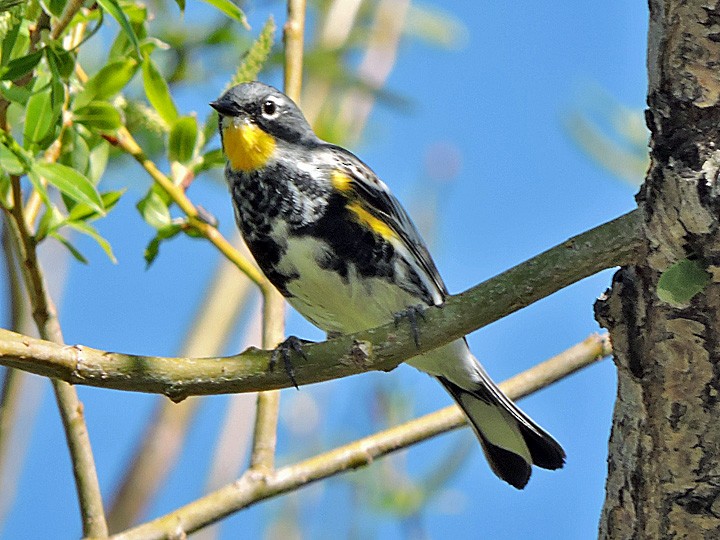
{"points": [[247, 146]]}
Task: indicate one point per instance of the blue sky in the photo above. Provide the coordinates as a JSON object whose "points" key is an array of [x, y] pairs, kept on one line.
{"points": [[523, 186]]}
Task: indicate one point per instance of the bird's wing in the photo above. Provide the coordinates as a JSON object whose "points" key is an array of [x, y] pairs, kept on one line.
{"points": [[364, 187]]}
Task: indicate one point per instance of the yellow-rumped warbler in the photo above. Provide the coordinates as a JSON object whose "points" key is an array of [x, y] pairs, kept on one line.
{"points": [[342, 250]]}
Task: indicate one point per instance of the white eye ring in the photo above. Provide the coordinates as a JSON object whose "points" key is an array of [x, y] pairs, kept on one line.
{"points": [[270, 108]]}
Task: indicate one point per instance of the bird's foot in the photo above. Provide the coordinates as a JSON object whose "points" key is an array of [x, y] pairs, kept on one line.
{"points": [[411, 314], [291, 345]]}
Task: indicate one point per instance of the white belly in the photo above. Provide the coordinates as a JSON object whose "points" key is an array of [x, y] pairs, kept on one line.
{"points": [[334, 303]]}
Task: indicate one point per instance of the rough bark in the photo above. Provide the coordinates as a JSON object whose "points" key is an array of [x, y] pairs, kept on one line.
{"points": [[664, 459]]}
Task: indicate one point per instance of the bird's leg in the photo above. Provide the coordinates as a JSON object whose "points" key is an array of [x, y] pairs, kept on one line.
{"points": [[411, 314], [291, 344]]}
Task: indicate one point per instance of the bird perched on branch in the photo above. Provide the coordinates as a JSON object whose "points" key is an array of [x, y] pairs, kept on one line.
{"points": [[327, 232]]}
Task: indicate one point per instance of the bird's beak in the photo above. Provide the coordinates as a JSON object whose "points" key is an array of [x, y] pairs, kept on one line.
{"points": [[225, 107]]}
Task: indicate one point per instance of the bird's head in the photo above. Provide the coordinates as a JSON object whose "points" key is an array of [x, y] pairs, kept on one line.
{"points": [[253, 118]]}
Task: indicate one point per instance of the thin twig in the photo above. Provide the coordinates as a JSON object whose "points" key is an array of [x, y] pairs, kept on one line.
{"points": [[249, 489], [293, 38], [616, 243], [72, 7], [10, 395], [10, 387], [262, 457]]}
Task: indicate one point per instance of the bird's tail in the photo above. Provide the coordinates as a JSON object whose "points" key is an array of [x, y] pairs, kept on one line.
{"points": [[512, 442]]}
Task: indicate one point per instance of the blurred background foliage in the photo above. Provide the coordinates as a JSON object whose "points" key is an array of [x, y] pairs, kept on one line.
{"points": [[116, 65]]}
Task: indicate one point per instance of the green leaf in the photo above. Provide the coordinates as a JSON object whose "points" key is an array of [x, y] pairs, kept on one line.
{"points": [[154, 210], [153, 248], [5, 5], [108, 81], [72, 249], [5, 190], [20, 66], [50, 222], [9, 162], [123, 46], [682, 281], [182, 139], [71, 183], [84, 228], [61, 61], [113, 8], [137, 14], [8, 43], [148, 46], [42, 115], [210, 160], [229, 8], [75, 150], [98, 115], [39, 187], [157, 92], [181, 5], [99, 155], [83, 212], [15, 94], [56, 7]]}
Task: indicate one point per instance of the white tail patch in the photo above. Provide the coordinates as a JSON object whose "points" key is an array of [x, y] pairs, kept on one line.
{"points": [[496, 425]]}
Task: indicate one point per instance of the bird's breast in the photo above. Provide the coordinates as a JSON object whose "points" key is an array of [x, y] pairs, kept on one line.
{"points": [[332, 292]]}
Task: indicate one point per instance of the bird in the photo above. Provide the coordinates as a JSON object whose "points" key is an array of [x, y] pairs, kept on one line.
{"points": [[339, 246]]}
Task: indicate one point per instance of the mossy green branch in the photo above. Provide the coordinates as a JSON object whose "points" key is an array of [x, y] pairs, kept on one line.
{"points": [[616, 243]]}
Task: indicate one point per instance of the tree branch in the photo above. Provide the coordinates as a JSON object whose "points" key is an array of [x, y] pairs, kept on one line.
{"points": [[250, 489], [616, 243]]}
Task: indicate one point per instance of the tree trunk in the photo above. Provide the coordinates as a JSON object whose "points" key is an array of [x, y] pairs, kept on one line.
{"points": [[664, 457]]}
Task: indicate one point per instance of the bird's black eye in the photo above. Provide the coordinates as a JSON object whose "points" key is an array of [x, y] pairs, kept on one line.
{"points": [[269, 107]]}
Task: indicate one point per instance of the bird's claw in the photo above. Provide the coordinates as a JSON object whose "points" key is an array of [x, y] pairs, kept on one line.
{"points": [[291, 344], [411, 314]]}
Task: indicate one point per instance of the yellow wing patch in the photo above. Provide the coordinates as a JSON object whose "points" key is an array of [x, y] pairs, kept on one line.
{"points": [[247, 146], [376, 225], [340, 181]]}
